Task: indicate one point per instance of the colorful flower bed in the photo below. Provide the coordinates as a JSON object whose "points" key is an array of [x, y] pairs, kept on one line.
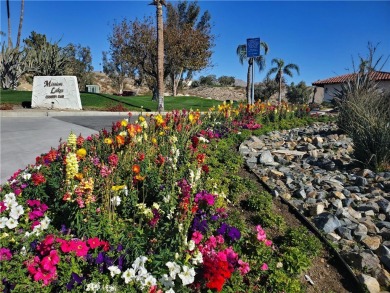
{"points": [[145, 207]]}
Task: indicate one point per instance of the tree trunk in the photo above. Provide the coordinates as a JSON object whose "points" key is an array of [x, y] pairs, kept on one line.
{"points": [[20, 24], [175, 82], [248, 81], [9, 26], [280, 88], [160, 56]]}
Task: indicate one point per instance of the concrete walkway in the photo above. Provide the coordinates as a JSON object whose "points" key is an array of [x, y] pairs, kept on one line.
{"points": [[26, 134]]}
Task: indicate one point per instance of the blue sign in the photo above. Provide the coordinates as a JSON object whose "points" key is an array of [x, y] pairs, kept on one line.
{"points": [[253, 47]]}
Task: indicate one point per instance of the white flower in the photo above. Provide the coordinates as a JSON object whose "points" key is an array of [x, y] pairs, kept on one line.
{"points": [[23, 251], [187, 276], [128, 275], [149, 281], [93, 287], [197, 258], [156, 206], [191, 245], [167, 281], [114, 270], [3, 222], [202, 139], [139, 262], [9, 197], [16, 212], [45, 223], [142, 273], [26, 176], [170, 291], [167, 198], [116, 200], [109, 288], [11, 223], [174, 269], [123, 133]]}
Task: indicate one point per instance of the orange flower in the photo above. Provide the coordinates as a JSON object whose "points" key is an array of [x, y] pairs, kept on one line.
{"points": [[136, 169], [140, 178], [120, 140], [79, 176]]}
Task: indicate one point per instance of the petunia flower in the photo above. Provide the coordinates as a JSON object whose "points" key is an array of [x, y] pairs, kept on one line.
{"points": [[187, 275]]}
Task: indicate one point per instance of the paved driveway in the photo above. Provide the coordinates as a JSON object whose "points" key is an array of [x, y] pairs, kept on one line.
{"points": [[22, 139]]}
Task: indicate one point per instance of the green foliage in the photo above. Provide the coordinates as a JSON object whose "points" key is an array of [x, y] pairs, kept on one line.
{"points": [[226, 80], [364, 114], [12, 66], [266, 89], [301, 238], [279, 281], [208, 80], [298, 94]]}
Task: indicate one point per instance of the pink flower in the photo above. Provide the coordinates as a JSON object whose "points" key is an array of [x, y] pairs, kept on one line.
{"points": [[93, 242], [65, 246], [79, 247], [105, 171], [244, 267], [220, 239], [197, 237], [264, 267], [113, 160], [48, 262], [3, 207], [5, 254], [268, 242]]}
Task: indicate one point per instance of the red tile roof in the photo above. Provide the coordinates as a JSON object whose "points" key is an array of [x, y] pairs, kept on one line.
{"points": [[376, 75]]}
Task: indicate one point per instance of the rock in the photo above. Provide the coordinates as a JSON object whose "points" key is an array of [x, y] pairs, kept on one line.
{"points": [[360, 232], [333, 237], [345, 233], [361, 181], [373, 242], [370, 283], [276, 174], [267, 159], [384, 205], [382, 224], [317, 209], [383, 278], [368, 206], [383, 253], [327, 222], [385, 233]]}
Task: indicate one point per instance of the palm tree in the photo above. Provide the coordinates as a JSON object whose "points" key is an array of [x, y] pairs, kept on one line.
{"points": [[20, 24], [260, 61], [160, 53], [281, 69]]}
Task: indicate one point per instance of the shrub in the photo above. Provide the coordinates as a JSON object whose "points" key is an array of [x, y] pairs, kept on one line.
{"points": [[364, 116]]}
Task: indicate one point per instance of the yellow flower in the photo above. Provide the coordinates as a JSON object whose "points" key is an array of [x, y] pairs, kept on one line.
{"points": [[81, 153], [124, 122], [161, 133], [191, 118], [72, 139], [108, 140], [117, 187], [154, 140], [141, 118], [72, 166]]}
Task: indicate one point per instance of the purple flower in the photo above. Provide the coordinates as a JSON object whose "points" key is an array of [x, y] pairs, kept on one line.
{"points": [[223, 229], [100, 258], [200, 225], [234, 234], [214, 218]]}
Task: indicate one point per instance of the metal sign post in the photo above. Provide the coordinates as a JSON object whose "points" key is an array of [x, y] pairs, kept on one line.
{"points": [[252, 51]]}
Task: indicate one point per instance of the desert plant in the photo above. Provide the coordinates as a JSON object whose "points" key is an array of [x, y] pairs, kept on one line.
{"points": [[364, 116]]}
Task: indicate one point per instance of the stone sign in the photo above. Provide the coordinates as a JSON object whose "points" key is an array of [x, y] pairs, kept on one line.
{"points": [[56, 92]]}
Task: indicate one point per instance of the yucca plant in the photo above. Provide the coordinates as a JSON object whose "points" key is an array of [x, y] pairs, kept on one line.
{"points": [[364, 114]]}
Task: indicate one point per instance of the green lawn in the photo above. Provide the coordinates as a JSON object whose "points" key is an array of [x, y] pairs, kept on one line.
{"points": [[106, 102]]}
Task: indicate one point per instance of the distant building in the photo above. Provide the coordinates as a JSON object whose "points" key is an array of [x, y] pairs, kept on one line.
{"points": [[332, 84], [92, 88]]}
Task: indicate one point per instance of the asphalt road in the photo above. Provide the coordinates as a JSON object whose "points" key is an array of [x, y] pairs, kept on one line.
{"points": [[22, 139]]}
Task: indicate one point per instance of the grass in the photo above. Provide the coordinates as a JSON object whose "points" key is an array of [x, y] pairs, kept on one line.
{"points": [[106, 102]]}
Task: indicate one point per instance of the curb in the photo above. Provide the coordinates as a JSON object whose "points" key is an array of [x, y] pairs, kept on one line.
{"points": [[51, 113]]}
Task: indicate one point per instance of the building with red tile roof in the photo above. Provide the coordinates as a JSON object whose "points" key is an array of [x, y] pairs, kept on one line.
{"points": [[332, 84]]}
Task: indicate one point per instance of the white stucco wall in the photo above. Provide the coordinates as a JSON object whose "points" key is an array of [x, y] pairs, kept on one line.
{"points": [[330, 89]]}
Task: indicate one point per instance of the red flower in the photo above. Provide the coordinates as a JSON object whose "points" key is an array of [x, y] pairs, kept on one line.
{"points": [[79, 247], [38, 178], [200, 158], [136, 169], [94, 242], [205, 169], [113, 160], [195, 141], [141, 157], [160, 160]]}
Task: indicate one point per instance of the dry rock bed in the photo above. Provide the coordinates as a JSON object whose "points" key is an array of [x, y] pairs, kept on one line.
{"points": [[313, 169]]}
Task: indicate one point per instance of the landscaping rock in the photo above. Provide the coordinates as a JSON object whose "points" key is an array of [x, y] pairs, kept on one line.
{"points": [[370, 283]]}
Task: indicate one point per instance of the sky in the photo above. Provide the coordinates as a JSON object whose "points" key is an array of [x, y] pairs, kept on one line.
{"points": [[321, 37]]}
